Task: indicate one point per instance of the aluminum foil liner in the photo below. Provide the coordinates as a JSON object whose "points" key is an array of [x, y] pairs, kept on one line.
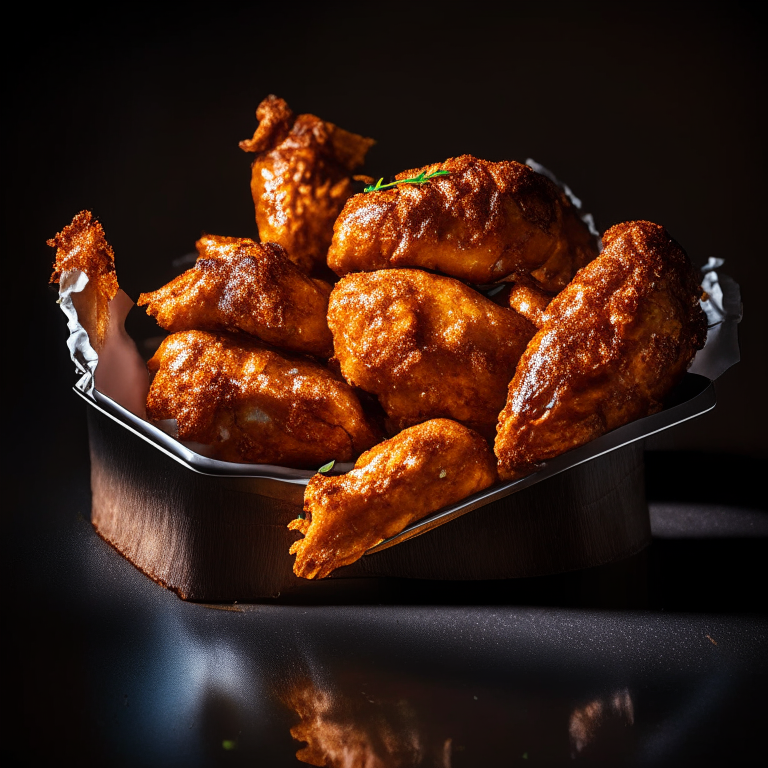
{"points": [[117, 376], [116, 382]]}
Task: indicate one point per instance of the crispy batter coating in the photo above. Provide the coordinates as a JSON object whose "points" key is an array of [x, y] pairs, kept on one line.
{"points": [[480, 223], [613, 345], [254, 404], [394, 484], [301, 178], [529, 299], [576, 248], [426, 345], [82, 245], [239, 285]]}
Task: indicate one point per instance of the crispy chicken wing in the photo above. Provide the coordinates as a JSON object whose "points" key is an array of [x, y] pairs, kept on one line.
{"points": [[394, 484], [613, 345], [239, 285], [426, 345], [82, 246], [480, 223], [576, 248], [529, 299], [251, 403], [301, 178]]}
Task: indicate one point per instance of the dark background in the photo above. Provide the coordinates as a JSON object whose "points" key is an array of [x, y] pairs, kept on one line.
{"points": [[653, 111], [646, 111]]}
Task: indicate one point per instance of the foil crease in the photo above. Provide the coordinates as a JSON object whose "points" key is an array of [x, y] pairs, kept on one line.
{"points": [[83, 355], [118, 371], [724, 310]]}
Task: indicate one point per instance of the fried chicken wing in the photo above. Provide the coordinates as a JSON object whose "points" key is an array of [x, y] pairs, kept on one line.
{"points": [[251, 403], [82, 246], [239, 285], [394, 484], [480, 223], [576, 248], [301, 178], [426, 345], [613, 345], [529, 299]]}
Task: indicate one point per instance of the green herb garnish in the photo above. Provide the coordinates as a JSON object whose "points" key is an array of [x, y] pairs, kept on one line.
{"points": [[327, 467], [301, 516], [422, 178]]}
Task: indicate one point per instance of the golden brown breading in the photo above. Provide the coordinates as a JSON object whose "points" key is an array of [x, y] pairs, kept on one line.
{"points": [[426, 345], [251, 403], [614, 343], [576, 248], [480, 223], [529, 299], [82, 245], [394, 484], [239, 285], [301, 178]]}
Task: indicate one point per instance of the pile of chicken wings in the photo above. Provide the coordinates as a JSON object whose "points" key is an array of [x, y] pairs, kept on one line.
{"points": [[453, 328]]}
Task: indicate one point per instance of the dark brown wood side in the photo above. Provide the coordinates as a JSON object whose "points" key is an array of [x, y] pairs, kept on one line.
{"points": [[225, 539], [590, 515]]}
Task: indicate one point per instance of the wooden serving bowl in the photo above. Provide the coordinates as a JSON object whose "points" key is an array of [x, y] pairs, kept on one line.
{"points": [[212, 538]]}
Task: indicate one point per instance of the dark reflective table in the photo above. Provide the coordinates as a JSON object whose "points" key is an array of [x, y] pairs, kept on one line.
{"points": [[658, 660]]}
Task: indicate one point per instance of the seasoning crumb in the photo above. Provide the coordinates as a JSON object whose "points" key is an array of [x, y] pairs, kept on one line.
{"points": [[711, 639], [443, 473]]}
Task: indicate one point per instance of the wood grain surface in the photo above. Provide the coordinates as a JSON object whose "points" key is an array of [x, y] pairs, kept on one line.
{"points": [[224, 539]]}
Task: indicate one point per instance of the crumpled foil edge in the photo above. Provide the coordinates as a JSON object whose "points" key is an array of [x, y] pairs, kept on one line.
{"points": [[119, 372], [83, 355]]}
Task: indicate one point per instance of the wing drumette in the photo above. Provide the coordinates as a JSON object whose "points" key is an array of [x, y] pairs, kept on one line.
{"points": [[239, 285], [426, 345], [254, 404], [301, 178], [612, 346], [481, 222], [394, 484]]}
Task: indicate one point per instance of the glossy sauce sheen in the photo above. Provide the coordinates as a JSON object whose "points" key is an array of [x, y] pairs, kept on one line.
{"points": [[239, 285], [300, 178], [480, 223], [613, 345], [427, 346], [397, 482], [252, 403], [528, 299]]}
